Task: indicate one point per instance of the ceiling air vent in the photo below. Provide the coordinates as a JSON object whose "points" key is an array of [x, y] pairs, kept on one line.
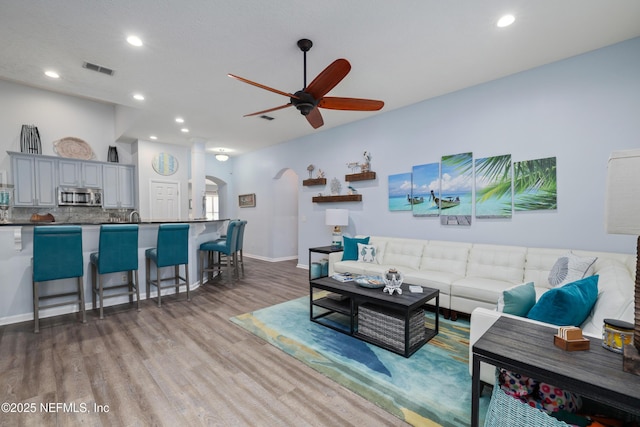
{"points": [[98, 68], [266, 117]]}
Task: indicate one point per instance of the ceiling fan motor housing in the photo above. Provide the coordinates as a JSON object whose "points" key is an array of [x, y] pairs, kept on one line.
{"points": [[304, 102]]}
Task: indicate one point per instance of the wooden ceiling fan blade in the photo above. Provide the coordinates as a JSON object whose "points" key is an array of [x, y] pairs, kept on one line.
{"points": [[315, 118], [269, 110], [261, 86], [328, 78], [353, 104]]}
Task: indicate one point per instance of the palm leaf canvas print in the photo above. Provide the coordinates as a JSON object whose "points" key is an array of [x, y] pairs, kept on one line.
{"points": [[493, 187], [426, 181], [456, 188], [400, 189], [535, 185]]}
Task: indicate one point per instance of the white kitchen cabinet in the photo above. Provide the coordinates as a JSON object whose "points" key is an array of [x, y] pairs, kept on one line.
{"points": [[118, 186], [34, 180], [77, 173]]}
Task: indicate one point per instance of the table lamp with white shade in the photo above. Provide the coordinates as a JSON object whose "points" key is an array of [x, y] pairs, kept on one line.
{"points": [[337, 218], [622, 216]]}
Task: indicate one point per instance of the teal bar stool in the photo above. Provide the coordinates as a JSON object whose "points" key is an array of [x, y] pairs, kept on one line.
{"points": [[225, 247], [239, 255], [117, 252], [57, 254], [172, 249]]}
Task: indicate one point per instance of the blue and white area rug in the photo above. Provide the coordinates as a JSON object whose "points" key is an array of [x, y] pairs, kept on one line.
{"points": [[432, 387]]}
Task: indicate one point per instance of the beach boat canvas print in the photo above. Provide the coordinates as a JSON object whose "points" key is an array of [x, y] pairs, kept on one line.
{"points": [[456, 189], [400, 189], [493, 187], [535, 185], [426, 184]]}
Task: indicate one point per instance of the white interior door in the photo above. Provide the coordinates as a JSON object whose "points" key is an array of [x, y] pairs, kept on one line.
{"points": [[165, 200]]}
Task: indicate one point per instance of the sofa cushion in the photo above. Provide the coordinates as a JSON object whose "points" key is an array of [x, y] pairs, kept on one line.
{"points": [[517, 300], [615, 296], [566, 305], [366, 253], [505, 263], [569, 268], [450, 257], [479, 289], [403, 254], [354, 267], [350, 252]]}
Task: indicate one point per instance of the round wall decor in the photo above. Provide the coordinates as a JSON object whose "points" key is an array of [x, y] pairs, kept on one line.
{"points": [[164, 164]]}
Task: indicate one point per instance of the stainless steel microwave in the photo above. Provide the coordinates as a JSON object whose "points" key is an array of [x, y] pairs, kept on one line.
{"points": [[68, 196]]}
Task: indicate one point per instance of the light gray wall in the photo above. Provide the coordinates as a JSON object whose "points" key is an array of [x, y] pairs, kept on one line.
{"points": [[56, 116], [578, 110]]}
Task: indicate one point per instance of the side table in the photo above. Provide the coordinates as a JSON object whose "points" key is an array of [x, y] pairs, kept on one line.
{"points": [[528, 349], [326, 250]]}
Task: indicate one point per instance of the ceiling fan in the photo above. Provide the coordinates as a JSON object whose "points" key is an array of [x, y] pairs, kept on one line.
{"points": [[311, 98]]}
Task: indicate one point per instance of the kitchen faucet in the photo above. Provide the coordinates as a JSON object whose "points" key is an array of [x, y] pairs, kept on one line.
{"points": [[134, 214]]}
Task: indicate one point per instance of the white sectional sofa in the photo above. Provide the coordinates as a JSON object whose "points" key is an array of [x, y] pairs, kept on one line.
{"points": [[471, 277]]}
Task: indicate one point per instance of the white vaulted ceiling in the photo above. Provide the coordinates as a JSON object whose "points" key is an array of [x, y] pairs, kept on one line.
{"points": [[401, 52]]}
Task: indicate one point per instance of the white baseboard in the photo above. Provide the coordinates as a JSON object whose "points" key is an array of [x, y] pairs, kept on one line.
{"points": [[268, 259]]}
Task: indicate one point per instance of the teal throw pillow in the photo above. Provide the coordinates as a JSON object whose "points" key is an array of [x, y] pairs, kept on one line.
{"points": [[350, 245], [568, 305], [517, 300]]}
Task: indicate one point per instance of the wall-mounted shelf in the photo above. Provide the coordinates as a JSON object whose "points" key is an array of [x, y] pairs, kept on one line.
{"points": [[362, 176], [314, 181], [343, 198]]}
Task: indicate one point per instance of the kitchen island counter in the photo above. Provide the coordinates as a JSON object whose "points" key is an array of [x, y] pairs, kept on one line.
{"points": [[16, 252]]}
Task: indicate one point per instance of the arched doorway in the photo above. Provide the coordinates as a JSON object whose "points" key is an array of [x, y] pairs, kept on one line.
{"points": [[215, 198]]}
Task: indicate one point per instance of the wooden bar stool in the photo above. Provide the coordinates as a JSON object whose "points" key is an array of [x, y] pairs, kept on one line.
{"points": [[225, 247], [57, 254], [172, 249], [117, 251]]}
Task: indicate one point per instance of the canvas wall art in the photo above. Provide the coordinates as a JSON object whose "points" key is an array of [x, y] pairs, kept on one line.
{"points": [[493, 187], [456, 189], [426, 183], [400, 189], [535, 185]]}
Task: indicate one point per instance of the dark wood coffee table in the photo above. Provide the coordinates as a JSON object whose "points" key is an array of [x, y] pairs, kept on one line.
{"points": [[346, 298]]}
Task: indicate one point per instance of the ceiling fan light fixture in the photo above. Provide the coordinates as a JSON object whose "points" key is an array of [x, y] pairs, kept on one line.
{"points": [[305, 108], [222, 157]]}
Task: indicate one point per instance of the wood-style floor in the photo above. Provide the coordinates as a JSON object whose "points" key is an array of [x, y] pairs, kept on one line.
{"points": [[184, 364]]}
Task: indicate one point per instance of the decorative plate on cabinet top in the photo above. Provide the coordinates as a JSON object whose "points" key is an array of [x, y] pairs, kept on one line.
{"points": [[73, 148], [164, 164]]}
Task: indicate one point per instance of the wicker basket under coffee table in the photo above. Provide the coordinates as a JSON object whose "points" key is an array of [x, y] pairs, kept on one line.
{"points": [[394, 322]]}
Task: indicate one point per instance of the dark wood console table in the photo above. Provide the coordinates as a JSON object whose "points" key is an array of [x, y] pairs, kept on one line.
{"points": [[528, 348]]}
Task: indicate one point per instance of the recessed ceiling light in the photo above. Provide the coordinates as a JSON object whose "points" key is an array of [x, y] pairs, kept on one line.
{"points": [[179, 120], [185, 130], [52, 74], [153, 137], [134, 41], [138, 96], [506, 20]]}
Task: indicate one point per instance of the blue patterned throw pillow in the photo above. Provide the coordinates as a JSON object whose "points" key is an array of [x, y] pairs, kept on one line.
{"points": [[366, 253]]}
